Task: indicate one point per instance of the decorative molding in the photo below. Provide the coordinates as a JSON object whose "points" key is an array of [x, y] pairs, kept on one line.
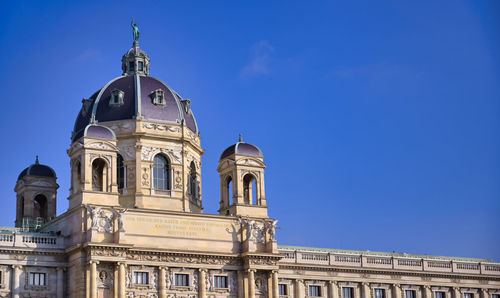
{"points": [[100, 145], [161, 127], [148, 153]]}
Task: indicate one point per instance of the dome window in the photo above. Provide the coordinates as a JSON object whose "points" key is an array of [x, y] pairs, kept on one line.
{"points": [[140, 66], [159, 97], [116, 98]]}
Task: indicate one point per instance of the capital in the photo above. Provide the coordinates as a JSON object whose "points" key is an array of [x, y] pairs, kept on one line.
{"points": [[202, 270], [17, 266], [91, 262]]}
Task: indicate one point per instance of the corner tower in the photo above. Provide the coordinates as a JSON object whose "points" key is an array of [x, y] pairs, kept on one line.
{"points": [[157, 143], [36, 190], [241, 170]]}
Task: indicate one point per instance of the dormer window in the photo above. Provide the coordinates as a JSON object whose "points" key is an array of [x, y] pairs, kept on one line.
{"points": [[140, 66], [116, 98], [159, 97], [131, 66], [186, 103]]}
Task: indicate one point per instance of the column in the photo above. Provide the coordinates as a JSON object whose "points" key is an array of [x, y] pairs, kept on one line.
{"points": [[484, 293], [241, 285], [202, 289], [93, 278], [396, 291], [276, 292], [251, 283], [427, 292], [16, 273], [60, 282], [365, 293], [456, 292], [299, 288], [121, 280], [333, 289], [162, 281]]}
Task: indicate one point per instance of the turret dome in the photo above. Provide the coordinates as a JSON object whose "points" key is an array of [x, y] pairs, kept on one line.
{"points": [[37, 169], [242, 148]]}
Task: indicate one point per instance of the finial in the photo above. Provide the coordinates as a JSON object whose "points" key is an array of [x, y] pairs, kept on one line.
{"points": [[36, 160], [135, 31], [241, 139]]}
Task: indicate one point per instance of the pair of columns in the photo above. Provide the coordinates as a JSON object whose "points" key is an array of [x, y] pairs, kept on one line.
{"points": [[119, 286], [16, 284], [273, 283]]}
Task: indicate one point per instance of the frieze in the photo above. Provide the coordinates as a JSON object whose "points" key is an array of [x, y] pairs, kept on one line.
{"points": [[99, 145], [161, 127]]}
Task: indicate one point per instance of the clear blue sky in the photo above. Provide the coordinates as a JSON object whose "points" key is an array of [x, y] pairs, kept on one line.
{"points": [[379, 120]]}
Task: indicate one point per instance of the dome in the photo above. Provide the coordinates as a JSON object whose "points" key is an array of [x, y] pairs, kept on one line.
{"points": [[135, 95], [242, 148], [99, 132], [37, 169]]}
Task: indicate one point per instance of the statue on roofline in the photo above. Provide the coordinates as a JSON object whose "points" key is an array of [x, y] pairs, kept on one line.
{"points": [[135, 31]]}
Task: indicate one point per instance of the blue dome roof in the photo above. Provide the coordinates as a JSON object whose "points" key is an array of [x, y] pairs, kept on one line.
{"points": [[37, 169]]}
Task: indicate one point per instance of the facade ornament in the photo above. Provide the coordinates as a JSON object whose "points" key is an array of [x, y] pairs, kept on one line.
{"points": [[119, 216], [271, 229], [102, 221], [161, 127], [135, 30], [255, 232]]}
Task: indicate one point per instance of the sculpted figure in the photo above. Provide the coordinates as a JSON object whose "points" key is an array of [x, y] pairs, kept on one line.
{"points": [[94, 216], [118, 215], [271, 229], [135, 30]]}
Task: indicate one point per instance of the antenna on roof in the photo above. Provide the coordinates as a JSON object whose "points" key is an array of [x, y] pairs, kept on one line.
{"points": [[241, 139]]}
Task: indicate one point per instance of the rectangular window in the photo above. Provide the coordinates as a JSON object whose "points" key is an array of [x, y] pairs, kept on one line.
{"points": [[37, 279], [282, 289], [131, 66], [141, 278], [347, 292], [410, 294], [220, 281], [495, 296], [468, 295], [379, 293], [315, 291], [140, 66], [182, 280], [439, 295]]}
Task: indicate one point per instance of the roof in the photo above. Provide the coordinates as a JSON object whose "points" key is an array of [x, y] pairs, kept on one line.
{"points": [[242, 148], [37, 169], [374, 253]]}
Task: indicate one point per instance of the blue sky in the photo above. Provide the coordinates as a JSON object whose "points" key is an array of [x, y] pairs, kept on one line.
{"points": [[379, 120]]}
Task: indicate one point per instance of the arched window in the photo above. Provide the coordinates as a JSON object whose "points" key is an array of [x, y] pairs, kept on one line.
{"points": [[193, 182], [98, 166], [228, 191], [120, 173], [40, 206], [161, 173], [249, 189]]}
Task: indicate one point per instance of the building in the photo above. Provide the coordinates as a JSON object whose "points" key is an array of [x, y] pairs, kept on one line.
{"points": [[135, 225]]}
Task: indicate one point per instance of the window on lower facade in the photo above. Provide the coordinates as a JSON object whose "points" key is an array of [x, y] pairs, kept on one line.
{"points": [[182, 280], [410, 294], [315, 291], [468, 295], [379, 293], [220, 281], [347, 292], [495, 296], [439, 295], [141, 278], [282, 290], [37, 279]]}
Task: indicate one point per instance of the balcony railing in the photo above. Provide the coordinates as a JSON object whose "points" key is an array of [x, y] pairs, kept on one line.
{"points": [[406, 263], [31, 240]]}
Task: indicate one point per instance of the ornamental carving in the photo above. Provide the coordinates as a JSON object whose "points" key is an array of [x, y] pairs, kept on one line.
{"points": [[99, 145], [93, 156], [105, 276], [191, 158], [262, 262], [271, 228], [178, 180], [261, 283], [255, 229], [102, 220], [254, 173], [125, 127], [105, 252], [149, 152], [161, 127], [192, 136], [152, 277], [41, 183], [145, 176]]}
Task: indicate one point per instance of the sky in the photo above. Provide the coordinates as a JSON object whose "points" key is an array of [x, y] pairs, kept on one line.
{"points": [[379, 120]]}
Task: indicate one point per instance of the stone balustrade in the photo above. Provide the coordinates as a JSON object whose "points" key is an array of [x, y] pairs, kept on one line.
{"points": [[31, 240], [406, 263]]}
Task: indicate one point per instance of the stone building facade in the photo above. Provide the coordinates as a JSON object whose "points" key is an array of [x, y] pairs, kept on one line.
{"points": [[135, 225]]}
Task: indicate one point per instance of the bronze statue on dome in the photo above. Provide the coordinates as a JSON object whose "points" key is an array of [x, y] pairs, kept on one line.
{"points": [[135, 31]]}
